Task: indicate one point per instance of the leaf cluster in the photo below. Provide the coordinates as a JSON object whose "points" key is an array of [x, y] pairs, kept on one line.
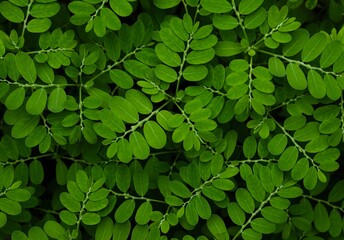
{"points": [[171, 119]]}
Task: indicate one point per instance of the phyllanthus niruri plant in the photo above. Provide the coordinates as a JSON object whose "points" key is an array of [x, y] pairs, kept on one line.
{"points": [[171, 119]]}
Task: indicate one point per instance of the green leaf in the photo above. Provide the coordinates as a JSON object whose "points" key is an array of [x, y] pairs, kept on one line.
{"points": [[200, 56], [82, 181], [10, 207], [290, 192], [311, 178], [11, 12], [274, 215], [140, 101], [317, 144], [216, 6], [111, 120], [300, 169], [255, 19], [248, 6], [36, 233], [167, 56], [110, 19], [333, 90], [19, 195], [178, 28], [179, 189], [90, 218], [217, 227], [143, 213], [202, 207], [121, 78], [228, 48], [281, 37], [18, 235], [26, 66], [125, 211], [195, 73], [36, 172], [15, 99], [314, 47], [331, 54], [44, 10], [122, 230], [295, 76], [298, 42], [20, 3], [279, 203], [24, 126], [45, 72], [68, 218], [141, 182], [245, 200], [81, 8], [173, 200], [250, 234], [121, 7], [39, 25], [255, 187], [37, 102], [104, 229], [321, 218], [236, 213], [277, 144], [139, 145], [165, 73], [3, 220], [276, 67], [54, 229], [335, 223], [139, 232], [165, 4], [191, 214], [123, 177], [250, 147], [225, 22], [288, 158], [316, 85], [263, 226], [124, 109], [336, 194], [69, 202], [171, 40], [4, 88], [124, 151], [154, 134], [213, 193]]}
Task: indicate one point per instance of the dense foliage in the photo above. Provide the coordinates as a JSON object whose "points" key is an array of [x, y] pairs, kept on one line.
{"points": [[171, 119]]}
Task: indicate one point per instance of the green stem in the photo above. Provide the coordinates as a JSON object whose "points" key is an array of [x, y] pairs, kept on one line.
{"points": [[51, 50], [185, 53], [110, 67], [323, 201], [98, 9], [237, 162], [26, 17], [127, 196], [262, 204], [192, 126], [83, 207], [308, 66], [342, 111], [34, 85], [140, 123], [303, 151], [240, 20], [26, 159]]}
